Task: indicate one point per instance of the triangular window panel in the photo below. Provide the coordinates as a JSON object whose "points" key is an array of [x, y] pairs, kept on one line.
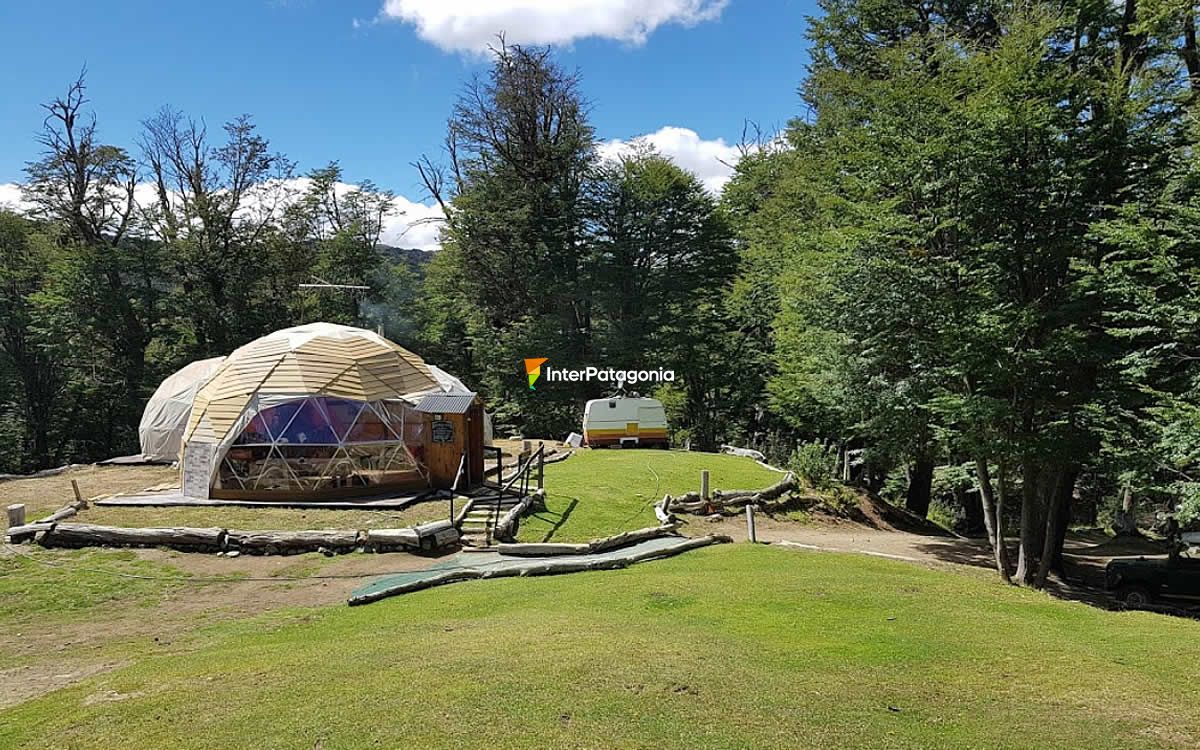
{"points": [[370, 428], [309, 426], [340, 465], [277, 419], [342, 414], [231, 472], [256, 433], [395, 427], [275, 474]]}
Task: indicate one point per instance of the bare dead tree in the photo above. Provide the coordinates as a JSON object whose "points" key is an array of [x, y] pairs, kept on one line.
{"points": [[433, 176], [85, 185], [215, 194], [330, 206], [212, 203]]}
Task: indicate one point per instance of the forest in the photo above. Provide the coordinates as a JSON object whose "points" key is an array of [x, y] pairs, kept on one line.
{"points": [[962, 275]]}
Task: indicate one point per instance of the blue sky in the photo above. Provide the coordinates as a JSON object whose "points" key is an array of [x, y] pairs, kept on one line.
{"points": [[370, 82]]}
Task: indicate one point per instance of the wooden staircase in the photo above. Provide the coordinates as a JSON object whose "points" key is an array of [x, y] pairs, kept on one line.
{"points": [[476, 525]]}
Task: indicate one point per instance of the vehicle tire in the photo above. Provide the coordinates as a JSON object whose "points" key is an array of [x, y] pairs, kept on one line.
{"points": [[1133, 597]]}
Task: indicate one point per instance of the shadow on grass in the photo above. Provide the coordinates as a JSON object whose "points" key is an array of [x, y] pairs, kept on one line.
{"points": [[558, 518], [1081, 580], [962, 551]]}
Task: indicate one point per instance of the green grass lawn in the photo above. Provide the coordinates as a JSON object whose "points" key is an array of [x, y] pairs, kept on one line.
{"points": [[735, 646], [596, 493], [37, 583]]}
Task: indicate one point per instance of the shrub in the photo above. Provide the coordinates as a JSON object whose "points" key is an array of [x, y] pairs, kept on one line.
{"points": [[814, 463]]}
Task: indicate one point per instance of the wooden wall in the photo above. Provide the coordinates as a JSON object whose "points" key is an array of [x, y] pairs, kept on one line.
{"points": [[448, 437]]}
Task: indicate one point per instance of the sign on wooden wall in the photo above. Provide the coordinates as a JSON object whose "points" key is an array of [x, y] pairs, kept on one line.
{"points": [[442, 431]]}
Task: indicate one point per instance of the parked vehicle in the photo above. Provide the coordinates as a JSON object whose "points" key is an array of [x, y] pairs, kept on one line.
{"points": [[625, 421], [1141, 582]]}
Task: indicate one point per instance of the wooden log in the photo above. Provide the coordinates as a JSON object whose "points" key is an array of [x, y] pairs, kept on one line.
{"points": [[682, 546], [734, 506], [64, 512], [443, 538], [787, 484], [662, 510], [542, 549], [631, 537], [727, 501], [25, 532], [427, 536], [690, 497], [550, 549], [90, 535], [539, 499], [704, 484], [462, 513], [507, 525], [42, 473], [553, 457], [379, 540], [432, 527], [697, 506], [291, 542], [16, 515]]}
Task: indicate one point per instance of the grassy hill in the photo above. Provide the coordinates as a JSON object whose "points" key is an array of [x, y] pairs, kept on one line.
{"points": [[731, 647], [595, 493]]}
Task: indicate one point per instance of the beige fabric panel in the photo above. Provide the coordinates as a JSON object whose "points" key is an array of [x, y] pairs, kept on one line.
{"points": [[316, 359]]}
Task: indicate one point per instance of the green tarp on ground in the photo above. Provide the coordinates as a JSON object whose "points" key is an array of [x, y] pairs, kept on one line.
{"points": [[471, 565]]}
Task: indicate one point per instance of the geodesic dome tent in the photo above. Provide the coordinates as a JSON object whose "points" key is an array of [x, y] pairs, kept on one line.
{"points": [[319, 408], [166, 414]]}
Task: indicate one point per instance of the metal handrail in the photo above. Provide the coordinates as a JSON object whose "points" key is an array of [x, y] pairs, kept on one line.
{"points": [[499, 463], [524, 468]]}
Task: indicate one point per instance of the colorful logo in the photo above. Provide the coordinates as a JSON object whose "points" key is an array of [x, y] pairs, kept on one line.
{"points": [[533, 368]]}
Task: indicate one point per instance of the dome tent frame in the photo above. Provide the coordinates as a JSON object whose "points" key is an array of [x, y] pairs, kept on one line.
{"points": [[395, 451], [310, 370]]}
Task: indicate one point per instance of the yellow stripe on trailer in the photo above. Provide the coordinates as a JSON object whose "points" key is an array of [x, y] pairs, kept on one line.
{"points": [[643, 432]]}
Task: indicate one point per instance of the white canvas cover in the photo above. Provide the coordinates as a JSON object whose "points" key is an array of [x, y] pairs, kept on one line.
{"points": [[447, 382], [166, 415]]}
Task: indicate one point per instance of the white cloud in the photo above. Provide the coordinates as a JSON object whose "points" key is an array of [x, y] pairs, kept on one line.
{"points": [[471, 25], [10, 197], [410, 224], [415, 224], [711, 161]]}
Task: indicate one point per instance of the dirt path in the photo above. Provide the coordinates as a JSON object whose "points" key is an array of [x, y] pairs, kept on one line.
{"points": [[49, 658], [848, 536], [1086, 553]]}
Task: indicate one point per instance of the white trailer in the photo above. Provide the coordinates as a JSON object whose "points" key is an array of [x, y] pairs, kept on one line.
{"points": [[627, 422]]}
